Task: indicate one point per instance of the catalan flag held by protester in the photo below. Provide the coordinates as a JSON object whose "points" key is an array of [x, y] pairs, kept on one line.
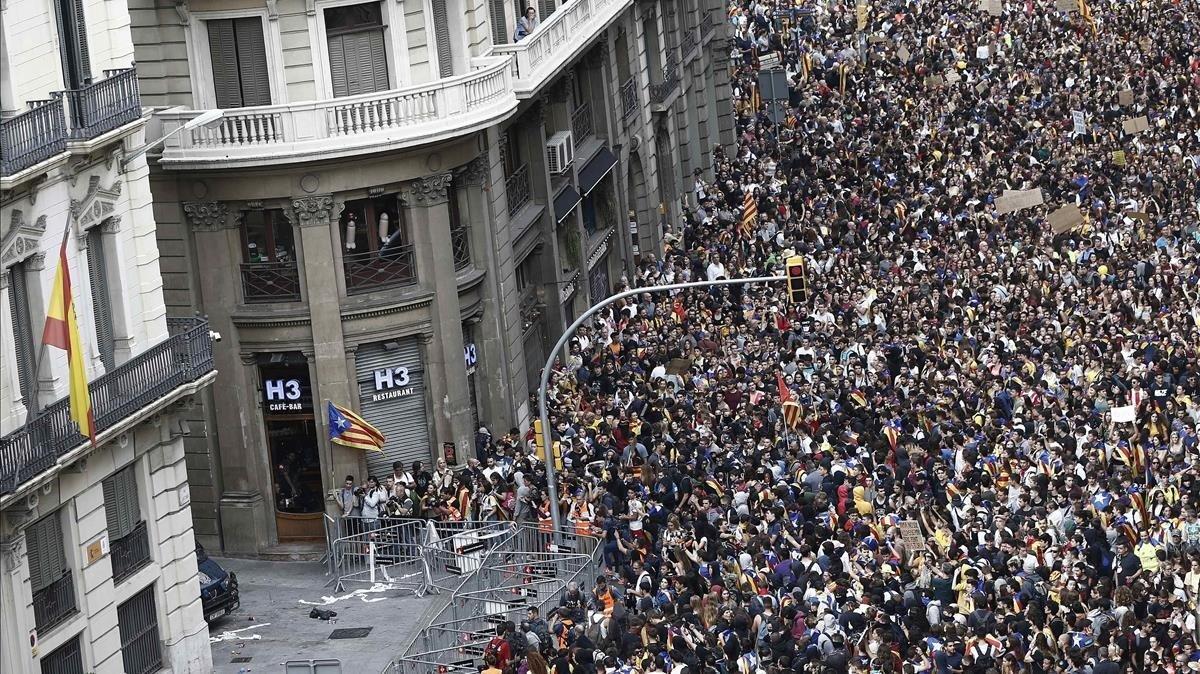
{"points": [[62, 331], [749, 215], [350, 430]]}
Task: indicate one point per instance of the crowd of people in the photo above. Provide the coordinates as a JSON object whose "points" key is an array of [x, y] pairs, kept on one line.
{"points": [[988, 463]]}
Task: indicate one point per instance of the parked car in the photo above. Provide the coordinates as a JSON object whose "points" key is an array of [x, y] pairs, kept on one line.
{"points": [[218, 587]]}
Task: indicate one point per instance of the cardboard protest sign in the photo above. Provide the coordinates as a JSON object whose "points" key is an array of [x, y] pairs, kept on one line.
{"points": [[1139, 215], [1118, 157], [1080, 124], [1068, 6], [1017, 200], [1065, 218], [952, 77], [990, 6], [1123, 415], [934, 81], [768, 61], [1125, 97], [982, 52], [903, 54], [910, 533], [679, 366], [981, 87], [1135, 125]]}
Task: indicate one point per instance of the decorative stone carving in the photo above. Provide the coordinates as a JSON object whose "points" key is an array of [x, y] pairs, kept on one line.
{"points": [[22, 239], [111, 225], [473, 172], [312, 211], [13, 551], [96, 206], [272, 10], [206, 216], [36, 262], [185, 14], [429, 191]]}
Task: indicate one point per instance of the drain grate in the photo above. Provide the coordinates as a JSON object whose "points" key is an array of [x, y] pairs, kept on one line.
{"points": [[350, 633], [240, 659]]}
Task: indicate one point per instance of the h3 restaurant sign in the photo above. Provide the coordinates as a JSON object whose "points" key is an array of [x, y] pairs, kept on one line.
{"points": [[392, 382]]}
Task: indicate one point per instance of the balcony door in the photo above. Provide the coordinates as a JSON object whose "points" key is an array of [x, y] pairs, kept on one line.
{"points": [[238, 53], [73, 43], [357, 55]]}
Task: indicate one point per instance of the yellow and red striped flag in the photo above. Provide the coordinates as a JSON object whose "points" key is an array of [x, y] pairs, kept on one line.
{"points": [[350, 430], [62, 331], [749, 215]]}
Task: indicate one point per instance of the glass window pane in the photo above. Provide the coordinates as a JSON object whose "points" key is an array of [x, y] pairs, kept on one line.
{"points": [[255, 237]]}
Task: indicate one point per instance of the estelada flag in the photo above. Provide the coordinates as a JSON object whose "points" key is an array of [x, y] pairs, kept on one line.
{"points": [[62, 331], [749, 215], [350, 430]]}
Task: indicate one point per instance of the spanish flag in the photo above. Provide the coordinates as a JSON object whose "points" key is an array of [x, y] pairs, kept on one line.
{"points": [[350, 430], [749, 215], [62, 331]]}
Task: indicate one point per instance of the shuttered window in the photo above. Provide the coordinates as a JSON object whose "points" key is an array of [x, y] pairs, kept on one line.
{"points": [[73, 43], [18, 304], [66, 659], [101, 299], [357, 55], [44, 548], [498, 10], [441, 34], [121, 503], [239, 62]]}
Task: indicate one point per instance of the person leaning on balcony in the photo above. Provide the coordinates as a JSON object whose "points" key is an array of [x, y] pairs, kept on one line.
{"points": [[526, 24]]}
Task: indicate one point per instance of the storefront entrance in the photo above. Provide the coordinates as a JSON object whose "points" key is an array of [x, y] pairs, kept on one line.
{"points": [[292, 447]]}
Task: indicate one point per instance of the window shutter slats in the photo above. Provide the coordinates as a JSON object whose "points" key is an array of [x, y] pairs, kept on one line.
{"points": [[18, 303], [441, 32], [252, 61], [121, 508], [379, 69], [337, 67], [83, 59], [44, 550], [222, 49], [499, 14], [101, 300]]}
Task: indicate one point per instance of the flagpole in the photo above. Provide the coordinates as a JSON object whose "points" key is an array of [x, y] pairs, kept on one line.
{"points": [[37, 362]]}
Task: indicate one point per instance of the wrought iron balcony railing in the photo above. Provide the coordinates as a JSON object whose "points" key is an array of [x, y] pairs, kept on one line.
{"points": [[369, 270], [54, 603], [460, 244], [629, 97], [105, 105], [516, 189], [32, 136], [270, 282], [688, 41], [707, 24], [130, 552], [183, 357], [661, 91], [581, 122]]}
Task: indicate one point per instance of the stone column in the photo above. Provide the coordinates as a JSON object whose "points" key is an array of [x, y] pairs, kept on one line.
{"points": [[247, 522], [492, 380], [533, 140], [445, 369], [315, 218]]}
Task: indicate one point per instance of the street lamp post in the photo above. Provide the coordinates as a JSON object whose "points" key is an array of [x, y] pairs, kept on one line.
{"points": [[544, 414]]}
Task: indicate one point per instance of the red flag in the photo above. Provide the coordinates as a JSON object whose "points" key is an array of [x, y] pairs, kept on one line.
{"points": [[785, 394]]}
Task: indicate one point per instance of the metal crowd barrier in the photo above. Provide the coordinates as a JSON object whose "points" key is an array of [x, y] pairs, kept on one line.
{"points": [[491, 572], [380, 551]]}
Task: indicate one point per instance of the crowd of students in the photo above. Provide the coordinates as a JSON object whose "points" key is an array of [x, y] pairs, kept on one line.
{"points": [[1023, 398]]}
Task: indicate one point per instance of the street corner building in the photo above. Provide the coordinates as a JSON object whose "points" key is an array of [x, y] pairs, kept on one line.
{"points": [[97, 555], [396, 207]]}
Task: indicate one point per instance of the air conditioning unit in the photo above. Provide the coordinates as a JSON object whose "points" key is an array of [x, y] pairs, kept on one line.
{"points": [[560, 152]]}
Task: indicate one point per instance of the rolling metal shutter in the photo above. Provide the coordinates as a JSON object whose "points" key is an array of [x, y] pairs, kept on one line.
{"points": [[18, 302], [403, 420], [121, 503], [101, 300], [44, 548], [441, 34]]}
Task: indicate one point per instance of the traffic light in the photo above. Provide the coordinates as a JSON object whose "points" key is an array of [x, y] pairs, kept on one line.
{"points": [[539, 439], [797, 280]]}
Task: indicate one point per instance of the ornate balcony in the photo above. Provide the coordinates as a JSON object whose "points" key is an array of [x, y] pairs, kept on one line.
{"points": [[369, 270], [270, 282], [688, 43], [149, 379], [557, 40], [516, 189], [105, 105], [54, 603], [581, 122], [32, 136], [383, 120], [130, 552], [707, 24], [460, 244], [661, 92], [629, 97]]}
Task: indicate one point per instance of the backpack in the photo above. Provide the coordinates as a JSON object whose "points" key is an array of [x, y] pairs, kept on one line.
{"points": [[493, 647], [517, 645]]}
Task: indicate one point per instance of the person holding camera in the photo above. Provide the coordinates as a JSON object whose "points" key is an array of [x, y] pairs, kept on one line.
{"points": [[373, 499]]}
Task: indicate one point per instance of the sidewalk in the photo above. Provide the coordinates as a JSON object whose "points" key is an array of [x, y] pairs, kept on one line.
{"points": [[272, 626]]}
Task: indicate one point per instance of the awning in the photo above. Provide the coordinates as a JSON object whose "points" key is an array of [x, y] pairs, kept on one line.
{"points": [[565, 202], [596, 168]]}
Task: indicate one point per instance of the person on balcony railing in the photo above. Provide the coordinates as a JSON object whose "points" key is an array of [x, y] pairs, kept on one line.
{"points": [[526, 24]]}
